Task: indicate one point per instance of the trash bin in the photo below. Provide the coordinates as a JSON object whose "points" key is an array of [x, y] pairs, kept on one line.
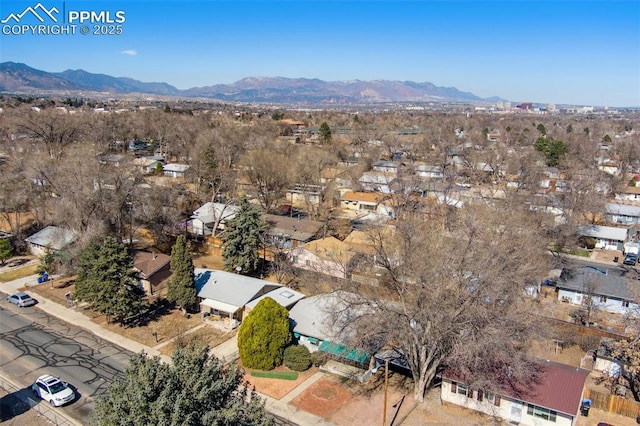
{"points": [[584, 408], [615, 259]]}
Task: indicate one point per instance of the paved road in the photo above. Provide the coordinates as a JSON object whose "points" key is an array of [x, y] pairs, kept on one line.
{"points": [[33, 343]]}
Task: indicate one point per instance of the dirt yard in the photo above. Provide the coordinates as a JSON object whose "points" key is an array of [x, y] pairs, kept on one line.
{"points": [[324, 398], [207, 335]]}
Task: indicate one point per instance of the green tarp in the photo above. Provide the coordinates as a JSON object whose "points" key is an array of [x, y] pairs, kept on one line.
{"points": [[343, 351]]}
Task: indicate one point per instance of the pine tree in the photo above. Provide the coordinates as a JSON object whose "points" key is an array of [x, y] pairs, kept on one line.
{"points": [[325, 133], [264, 335], [242, 239], [195, 389], [108, 282], [182, 288], [6, 250]]}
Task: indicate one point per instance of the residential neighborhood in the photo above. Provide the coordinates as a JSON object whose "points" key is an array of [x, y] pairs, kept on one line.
{"points": [[481, 274]]}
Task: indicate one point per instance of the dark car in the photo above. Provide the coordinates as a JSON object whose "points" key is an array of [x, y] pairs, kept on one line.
{"points": [[630, 259], [21, 299]]}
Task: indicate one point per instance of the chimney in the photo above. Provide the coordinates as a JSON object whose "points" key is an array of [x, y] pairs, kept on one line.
{"points": [[154, 256]]}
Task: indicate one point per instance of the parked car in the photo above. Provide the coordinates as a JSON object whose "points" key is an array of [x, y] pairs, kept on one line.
{"points": [[53, 390], [630, 259], [21, 300]]}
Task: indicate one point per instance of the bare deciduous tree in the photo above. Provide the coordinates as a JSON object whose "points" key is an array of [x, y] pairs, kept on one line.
{"points": [[450, 296]]}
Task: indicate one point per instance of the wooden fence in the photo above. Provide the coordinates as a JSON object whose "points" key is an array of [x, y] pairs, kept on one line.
{"points": [[613, 403]]}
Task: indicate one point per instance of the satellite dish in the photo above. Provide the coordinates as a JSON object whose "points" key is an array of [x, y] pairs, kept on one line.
{"points": [[238, 269]]}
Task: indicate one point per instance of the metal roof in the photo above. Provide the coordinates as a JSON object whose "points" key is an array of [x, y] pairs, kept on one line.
{"points": [[52, 237], [232, 289]]}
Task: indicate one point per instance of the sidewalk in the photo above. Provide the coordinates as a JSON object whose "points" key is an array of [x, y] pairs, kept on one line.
{"points": [[227, 352]]}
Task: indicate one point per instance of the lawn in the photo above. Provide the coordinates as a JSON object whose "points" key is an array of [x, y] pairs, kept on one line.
{"points": [[14, 274]]}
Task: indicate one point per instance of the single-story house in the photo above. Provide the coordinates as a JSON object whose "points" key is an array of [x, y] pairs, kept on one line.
{"points": [[175, 170], [386, 166], [608, 288], [153, 269], [225, 294], [284, 296], [607, 237], [377, 181], [429, 171], [628, 193], [287, 232], [203, 220], [50, 238], [321, 324], [365, 201], [328, 256], [555, 399], [624, 214], [147, 165], [305, 193]]}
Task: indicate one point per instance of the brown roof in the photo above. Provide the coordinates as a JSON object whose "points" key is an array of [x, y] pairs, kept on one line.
{"points": [[559, 388], [367, 197], [331, 249], [149, 263], [298, 229]]}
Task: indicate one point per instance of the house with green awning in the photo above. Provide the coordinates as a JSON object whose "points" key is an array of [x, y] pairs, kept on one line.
{"points": [[321, 323]]}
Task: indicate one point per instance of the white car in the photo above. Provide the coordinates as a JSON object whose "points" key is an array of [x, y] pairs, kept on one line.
{"points": [[53, 390]]}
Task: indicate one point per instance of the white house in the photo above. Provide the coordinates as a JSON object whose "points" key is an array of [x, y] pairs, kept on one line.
{"points": [[372, 202], [175, 170], [607, 288], [554, 399], [607, 237], [225, 294], [321, 323], [431, 172], [208, 216], [628, 193], [50, 238], [623, 214]]}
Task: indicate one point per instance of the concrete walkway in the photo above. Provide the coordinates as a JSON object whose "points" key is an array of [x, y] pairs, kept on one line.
{"points": [[227, 351]]}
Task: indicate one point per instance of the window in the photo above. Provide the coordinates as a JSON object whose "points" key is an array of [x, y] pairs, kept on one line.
{"points": [[625, 303], [462, 389], [603, 299], [307, 262], [542, 413], [492, 398]]}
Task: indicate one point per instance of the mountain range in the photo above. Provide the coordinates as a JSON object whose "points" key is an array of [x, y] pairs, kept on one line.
{"points": [[20, 78]]}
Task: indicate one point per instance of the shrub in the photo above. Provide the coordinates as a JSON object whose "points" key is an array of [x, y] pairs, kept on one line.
{"points": [[297, 358], [263, 335], [318, 358]]}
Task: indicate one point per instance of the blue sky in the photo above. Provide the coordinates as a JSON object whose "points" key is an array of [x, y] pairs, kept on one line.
{"points": [[563, 52]]}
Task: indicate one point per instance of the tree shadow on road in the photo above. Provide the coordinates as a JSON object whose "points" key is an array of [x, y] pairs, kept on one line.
{"points": [[13, 404]]}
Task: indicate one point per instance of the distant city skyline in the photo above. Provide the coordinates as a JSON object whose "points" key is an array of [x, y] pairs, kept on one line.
{"points": [[564, 52]]}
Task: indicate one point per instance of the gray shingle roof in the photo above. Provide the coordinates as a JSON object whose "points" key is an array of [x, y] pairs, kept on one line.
{"points": [[598, 280]]}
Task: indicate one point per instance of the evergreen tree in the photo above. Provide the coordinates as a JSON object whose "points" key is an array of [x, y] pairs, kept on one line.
{"points": [[242, 239], [325, 133], [6, 250], [182, 289], [108, 282], [264, 335], [195, 389]]}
